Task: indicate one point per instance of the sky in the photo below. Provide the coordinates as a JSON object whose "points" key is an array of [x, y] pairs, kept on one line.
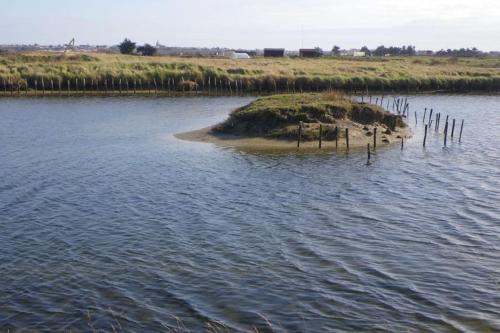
{"points": [[292, 24]]}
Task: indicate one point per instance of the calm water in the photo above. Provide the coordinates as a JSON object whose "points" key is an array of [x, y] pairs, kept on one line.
{"points": [[107, 222]]}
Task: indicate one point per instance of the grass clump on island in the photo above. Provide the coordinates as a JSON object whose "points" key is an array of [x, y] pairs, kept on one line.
{"points": [[279, 117]]}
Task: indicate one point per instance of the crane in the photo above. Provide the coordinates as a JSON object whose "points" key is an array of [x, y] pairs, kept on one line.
{"points": [[70, 45]]}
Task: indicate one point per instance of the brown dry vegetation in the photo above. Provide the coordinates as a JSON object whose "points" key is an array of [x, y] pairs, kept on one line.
{"points": [[253, 75]]}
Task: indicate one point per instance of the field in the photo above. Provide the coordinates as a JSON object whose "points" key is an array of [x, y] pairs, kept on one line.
{"points": [[107, 72]]}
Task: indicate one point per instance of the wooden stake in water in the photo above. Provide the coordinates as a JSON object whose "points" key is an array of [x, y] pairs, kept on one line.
{"points": [[402, 143], [347, 138], [320, 135], [425, 135], [416, 120], [445, 133], [299, 136], [461, 130], [425, 113], [430, 118], [453, 128], [375, 138], [369, 154], [336, 137]]}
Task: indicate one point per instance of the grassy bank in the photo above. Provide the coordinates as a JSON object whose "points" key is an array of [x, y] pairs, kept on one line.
{"points": [[102, 72]]}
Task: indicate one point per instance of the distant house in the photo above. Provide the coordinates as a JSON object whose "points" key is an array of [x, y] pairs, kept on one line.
{"points": [[239, 55], [425, 53], [311, 53], [352, 53], [274, 53]]}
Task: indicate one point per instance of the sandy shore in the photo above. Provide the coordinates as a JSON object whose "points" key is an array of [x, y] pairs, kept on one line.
{"points": [[359, 138]]}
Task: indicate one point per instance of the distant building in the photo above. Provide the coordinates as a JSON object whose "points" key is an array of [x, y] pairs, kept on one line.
{"points": [[311, 53], [274, 53], [239, 55], [352, 53], [425, 53]]}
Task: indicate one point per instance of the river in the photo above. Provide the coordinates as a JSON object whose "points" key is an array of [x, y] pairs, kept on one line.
{"points": [[108, 222]]}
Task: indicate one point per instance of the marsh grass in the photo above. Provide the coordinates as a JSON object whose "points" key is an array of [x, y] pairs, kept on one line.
{"points": [[279, 116], [259, 75]]}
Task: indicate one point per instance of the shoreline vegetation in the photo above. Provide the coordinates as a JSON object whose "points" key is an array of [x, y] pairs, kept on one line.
{"points": [[287, 122], [44, 73]]}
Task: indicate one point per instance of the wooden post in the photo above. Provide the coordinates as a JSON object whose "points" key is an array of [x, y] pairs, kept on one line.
{"points": [[461, 130], [453, 128], [300, 135], [369, 154], [425, 135], [336, 137], [120, 86], [445, 133], [375, 138], [416, 121], [320, 135], [430, 118], [347, 138], [425, 113], [402, 143]]}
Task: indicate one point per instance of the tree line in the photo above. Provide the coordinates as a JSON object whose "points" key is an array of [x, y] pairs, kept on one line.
{"points": [[129, 47], [410, 50]]}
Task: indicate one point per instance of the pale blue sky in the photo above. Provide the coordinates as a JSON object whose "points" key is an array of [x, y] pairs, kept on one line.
{"points": [[428, 24]]}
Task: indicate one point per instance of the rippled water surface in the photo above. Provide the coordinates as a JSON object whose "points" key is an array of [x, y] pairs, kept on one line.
{"points": [[107, 222]]}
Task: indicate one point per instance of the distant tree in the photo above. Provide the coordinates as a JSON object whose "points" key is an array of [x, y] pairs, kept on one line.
{"points": [[147, 50], [336, 50], [366, 50], [127, 46]]}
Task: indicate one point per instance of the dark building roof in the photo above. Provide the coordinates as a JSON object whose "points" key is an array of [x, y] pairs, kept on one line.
{"points": [[274, 52], [311, 53]]}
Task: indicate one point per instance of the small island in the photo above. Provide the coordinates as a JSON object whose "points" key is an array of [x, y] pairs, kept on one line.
{"points": [[277, 121]]}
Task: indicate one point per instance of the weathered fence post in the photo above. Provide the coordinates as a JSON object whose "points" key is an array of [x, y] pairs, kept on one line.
{"points": [[461, 129], [369, 154], [425, 135], [445, 133], [347, 138], [430, 118], [336, 137], [299, 135], [402, 143], [320, 135], [375, 138], [453, 128]]}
